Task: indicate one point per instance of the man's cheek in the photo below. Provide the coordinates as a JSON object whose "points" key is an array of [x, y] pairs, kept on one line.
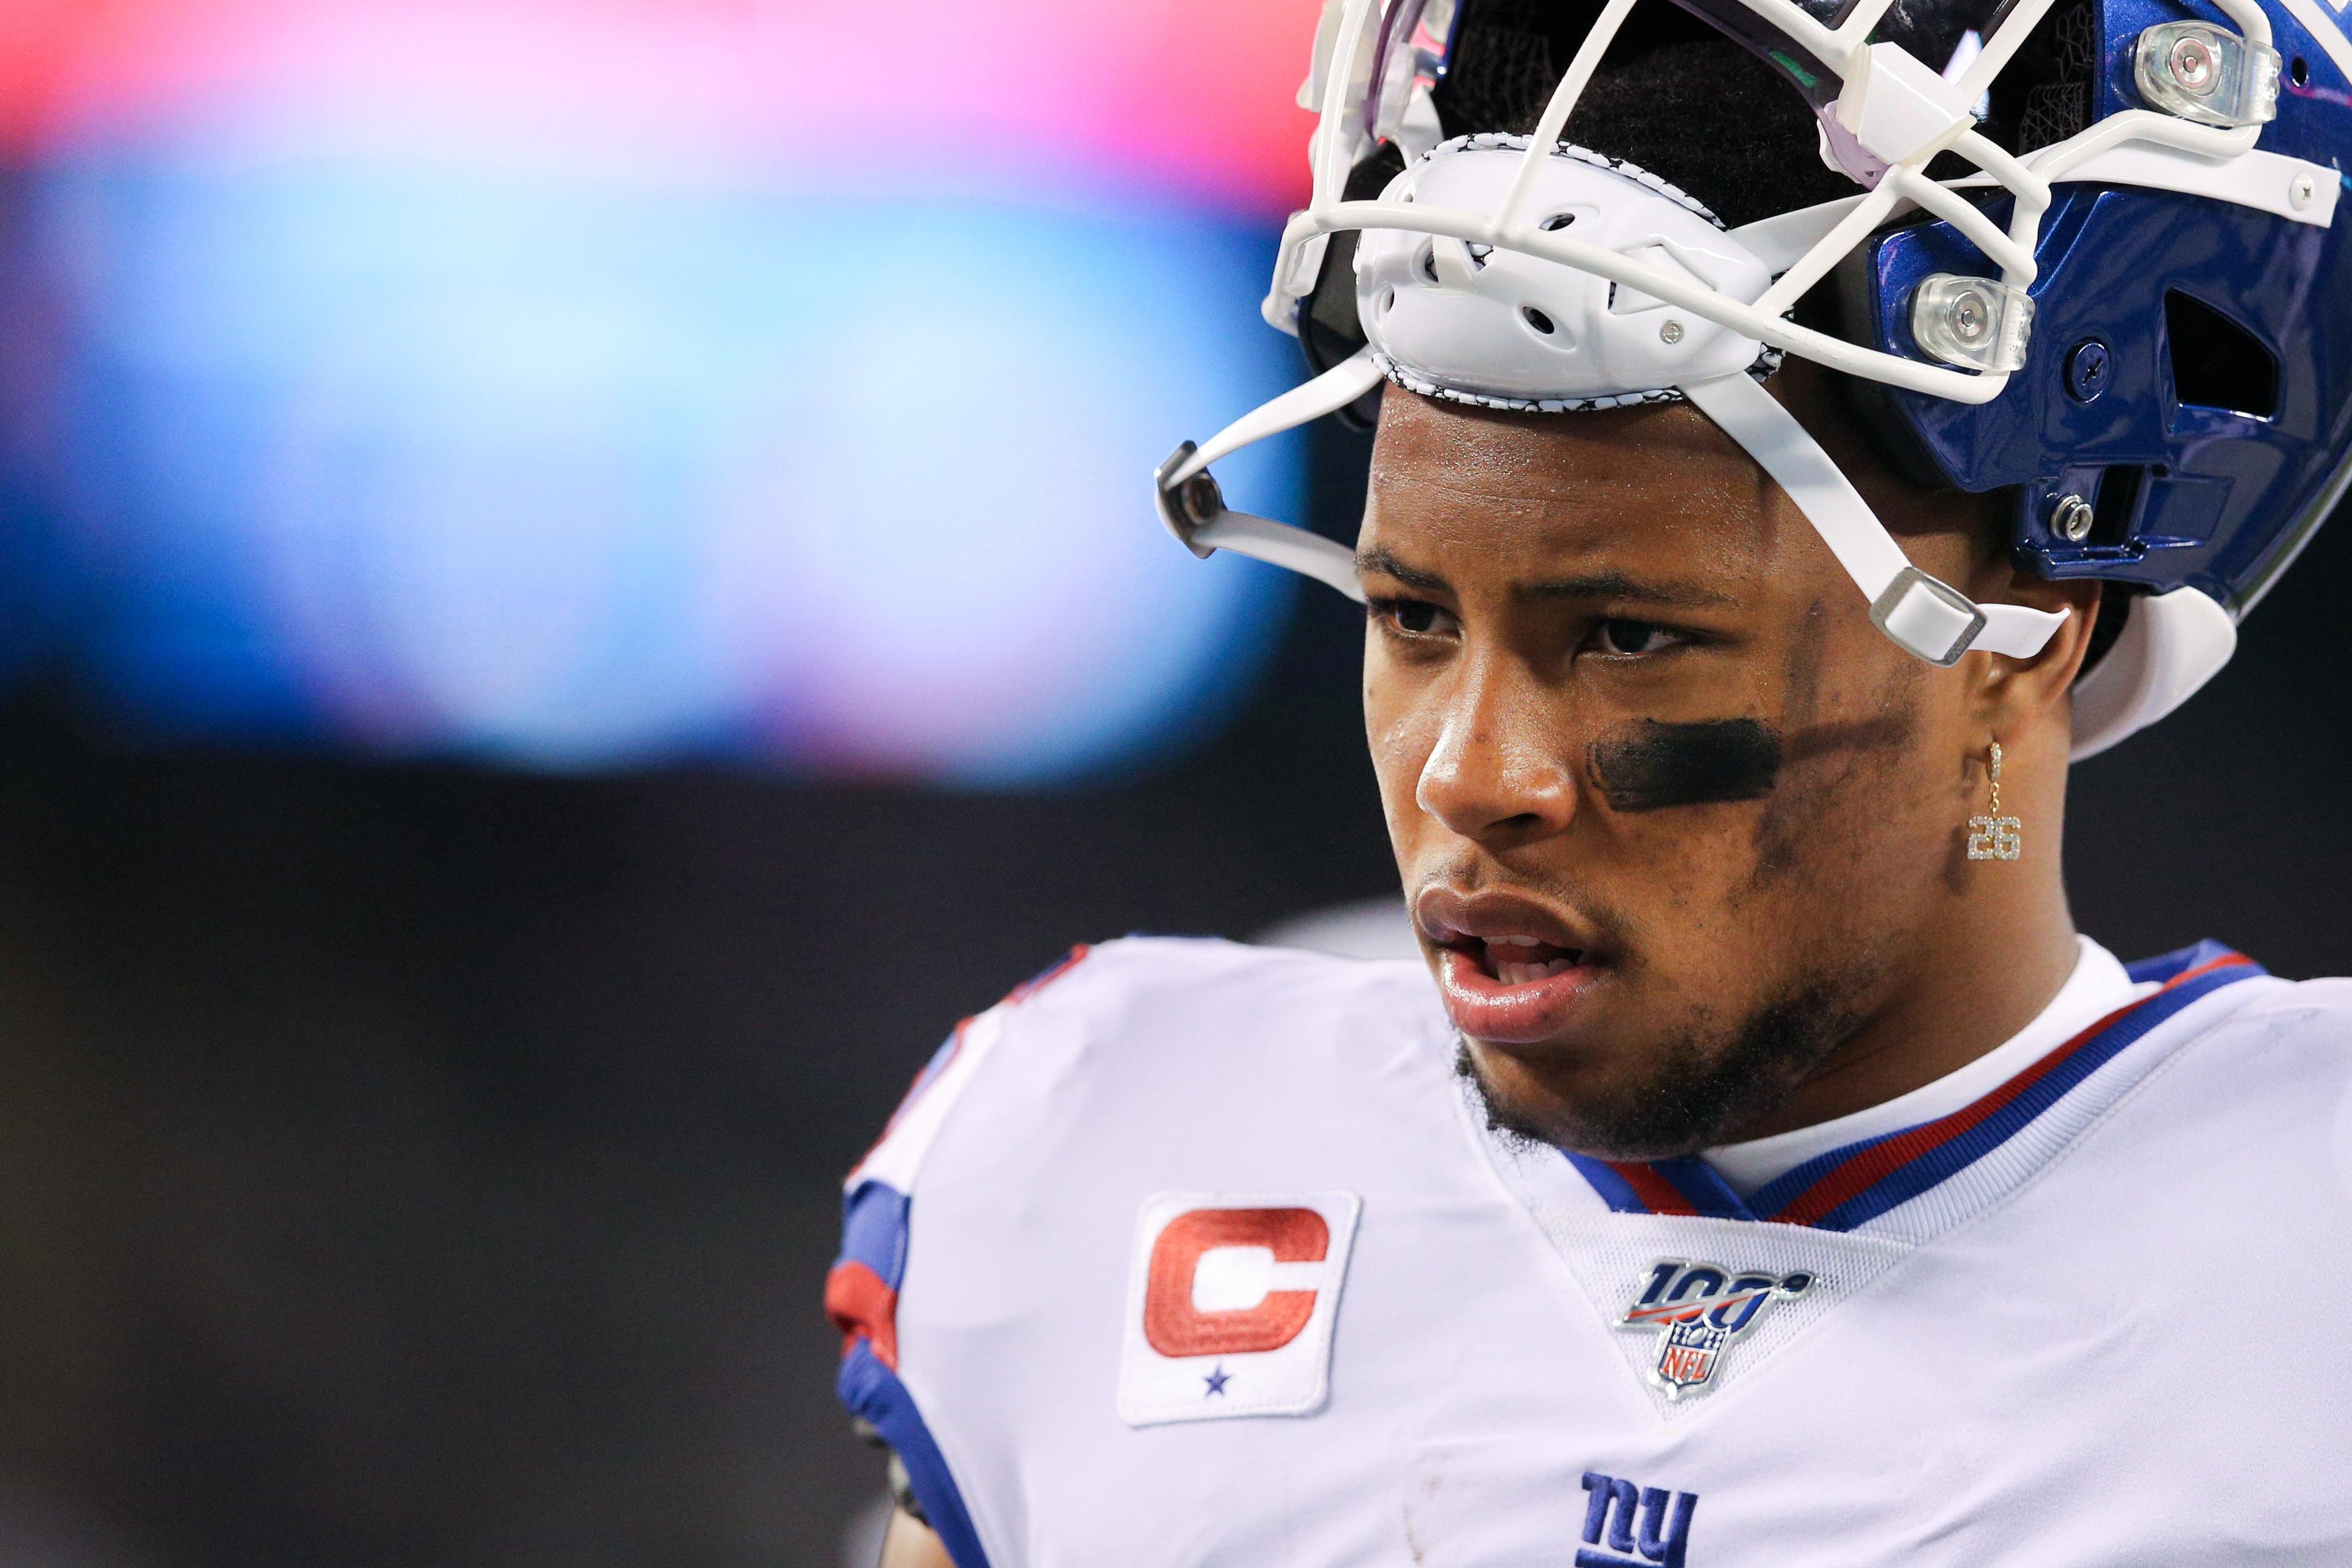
{"points": [[1828, 827], [1674, 873], [1400, 737]]}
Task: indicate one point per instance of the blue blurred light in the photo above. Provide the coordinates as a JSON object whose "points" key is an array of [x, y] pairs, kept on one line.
{"points": [[579, 474]]}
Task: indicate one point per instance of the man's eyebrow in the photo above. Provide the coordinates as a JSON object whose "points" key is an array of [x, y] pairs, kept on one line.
{"points": [[1379, 560], [1611, 585], [1618, 586]]}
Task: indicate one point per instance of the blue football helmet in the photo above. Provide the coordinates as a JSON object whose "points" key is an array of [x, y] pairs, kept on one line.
{"points": [[2084, 251]]}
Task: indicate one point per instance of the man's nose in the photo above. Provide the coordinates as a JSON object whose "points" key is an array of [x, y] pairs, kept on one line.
{"points": [[1500, 772]]}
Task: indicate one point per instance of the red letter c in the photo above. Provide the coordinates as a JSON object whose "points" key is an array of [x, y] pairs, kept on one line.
{"points": [[1174, 1327]]}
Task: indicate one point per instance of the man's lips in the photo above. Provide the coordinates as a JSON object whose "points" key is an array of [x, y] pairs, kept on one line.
{"points": [[1512, 1005], [1511, 970]]}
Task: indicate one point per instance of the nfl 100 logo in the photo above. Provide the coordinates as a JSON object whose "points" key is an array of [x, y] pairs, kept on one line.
{"points": [[1697, 1309]]}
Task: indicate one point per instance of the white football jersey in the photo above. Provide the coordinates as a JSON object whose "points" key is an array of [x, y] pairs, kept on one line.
{"points": [[1190, 1253]]}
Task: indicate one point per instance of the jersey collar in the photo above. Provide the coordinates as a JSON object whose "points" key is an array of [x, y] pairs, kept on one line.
{"points": [[1849, 1187]]}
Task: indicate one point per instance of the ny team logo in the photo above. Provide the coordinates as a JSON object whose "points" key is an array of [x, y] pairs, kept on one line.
{"points": [[1623, 1519], [1697, 1310]]}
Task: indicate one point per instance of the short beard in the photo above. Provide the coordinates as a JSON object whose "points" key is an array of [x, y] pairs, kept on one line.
{"points": [[1701, 1089]]}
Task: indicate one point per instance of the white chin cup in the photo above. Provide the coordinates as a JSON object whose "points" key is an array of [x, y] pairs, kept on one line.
{"points": [[1499, 325], [2171, 644]]}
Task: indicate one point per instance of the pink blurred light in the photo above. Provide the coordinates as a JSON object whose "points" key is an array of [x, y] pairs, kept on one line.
{"points": [[1192, 97]]}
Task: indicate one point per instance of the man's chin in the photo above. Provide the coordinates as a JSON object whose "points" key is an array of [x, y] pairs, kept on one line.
{"points": [[1520, 1099], [1619, 1101]]}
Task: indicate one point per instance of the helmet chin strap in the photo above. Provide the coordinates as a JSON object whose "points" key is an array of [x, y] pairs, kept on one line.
{"points": [[1923, 616], [1194, 510]]}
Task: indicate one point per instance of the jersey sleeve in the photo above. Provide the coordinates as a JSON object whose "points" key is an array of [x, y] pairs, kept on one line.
{"points": [[861, 1294]]}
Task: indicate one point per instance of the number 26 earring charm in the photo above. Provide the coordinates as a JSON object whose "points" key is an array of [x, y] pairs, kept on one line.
{"points": [[1993, 837]]}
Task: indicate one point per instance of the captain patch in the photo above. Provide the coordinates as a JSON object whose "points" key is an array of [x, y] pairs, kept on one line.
{"points": [[1231, 1302]]}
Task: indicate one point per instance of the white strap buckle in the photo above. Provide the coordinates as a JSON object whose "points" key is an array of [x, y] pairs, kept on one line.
{"points": [[1189, 505], [1926, 617]]}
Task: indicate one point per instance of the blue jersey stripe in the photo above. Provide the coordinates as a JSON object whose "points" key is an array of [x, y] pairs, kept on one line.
{"points": [[1703, 1187], [874, 1230], [873, 1391], [2165, 967], [1782, 1190], [1615, 1190]]}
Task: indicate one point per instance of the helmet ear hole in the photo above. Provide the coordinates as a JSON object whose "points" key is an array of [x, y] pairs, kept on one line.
{"points": [[2216, 362], [1387, 301], [2115, 505], [1537, 319], [1557, 222]]}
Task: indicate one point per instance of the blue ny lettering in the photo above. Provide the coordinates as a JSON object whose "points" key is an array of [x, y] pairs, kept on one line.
{"points": [[1626, 1519]]}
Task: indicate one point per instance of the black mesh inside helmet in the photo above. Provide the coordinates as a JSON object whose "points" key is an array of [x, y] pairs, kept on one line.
{"points": [[1507, 56], [1672, 95], [1684, 101], [2047, 93]]}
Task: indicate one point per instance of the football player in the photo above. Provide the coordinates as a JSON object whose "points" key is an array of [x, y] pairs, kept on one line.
{"points": [[1803, 427]]}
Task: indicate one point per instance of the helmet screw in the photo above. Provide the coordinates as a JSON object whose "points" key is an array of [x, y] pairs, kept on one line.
{"points": [[2191, 66], [2070, 516], [1969, 316], [2087, 370], [2300, 194], [1200, 498], [1671, 332]]}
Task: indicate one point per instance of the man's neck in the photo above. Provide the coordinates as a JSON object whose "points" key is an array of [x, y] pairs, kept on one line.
{"points": [[2006, 955]]}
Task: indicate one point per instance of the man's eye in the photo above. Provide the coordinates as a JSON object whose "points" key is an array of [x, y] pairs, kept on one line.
{"points": [[1628, 639], [1413, 618]]}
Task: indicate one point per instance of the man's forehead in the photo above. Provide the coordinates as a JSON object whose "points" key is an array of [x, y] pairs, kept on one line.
{"points": [[1649, 452], [1655, 498]]}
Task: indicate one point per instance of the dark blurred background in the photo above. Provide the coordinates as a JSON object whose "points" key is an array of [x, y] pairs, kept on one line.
{"points": [[427, 1165], [574, 587]]}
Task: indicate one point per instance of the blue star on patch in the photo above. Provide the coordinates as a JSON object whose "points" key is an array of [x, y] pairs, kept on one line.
{"points": [[1216, 1382]]}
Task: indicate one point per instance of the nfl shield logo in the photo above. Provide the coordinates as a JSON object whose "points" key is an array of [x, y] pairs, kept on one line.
{"points": [[1687, 1354], [1697, 1310]]}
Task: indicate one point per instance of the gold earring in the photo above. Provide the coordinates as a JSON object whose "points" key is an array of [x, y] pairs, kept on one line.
{"points": [[1993, 837]]}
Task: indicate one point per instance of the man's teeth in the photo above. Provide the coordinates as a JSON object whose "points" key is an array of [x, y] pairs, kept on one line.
{"points": [[1525, 967]]}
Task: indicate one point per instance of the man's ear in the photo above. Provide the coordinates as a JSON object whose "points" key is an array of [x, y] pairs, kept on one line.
{"points": [[2012, 694]]}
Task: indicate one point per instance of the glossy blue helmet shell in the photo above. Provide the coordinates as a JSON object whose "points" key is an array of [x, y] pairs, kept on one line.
{"points": [[2190, 370]]}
